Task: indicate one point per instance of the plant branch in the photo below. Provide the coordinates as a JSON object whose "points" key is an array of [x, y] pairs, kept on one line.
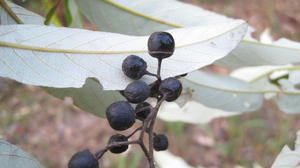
{"points": [[135, 131], [151, 74], [159, 69], [151, 126], [10, 12], [51, 12], [100, 153]]}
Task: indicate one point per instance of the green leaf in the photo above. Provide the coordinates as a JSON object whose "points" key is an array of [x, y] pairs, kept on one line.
{"points": [[68, 13], [288, 158], [24, 15], [91, 97], [13, 157], [192, 112], [288, 103], [223, 92], [50, 6], [167, 159], [73, 15], [285, 92], [139, 17], [64, 57], [51, 12]]}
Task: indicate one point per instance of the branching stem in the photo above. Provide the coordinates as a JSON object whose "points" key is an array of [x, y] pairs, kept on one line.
{"points": [[11, 13], [147, 127]]}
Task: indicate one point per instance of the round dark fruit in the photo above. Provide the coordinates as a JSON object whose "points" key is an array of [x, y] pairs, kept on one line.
{"points": [[161, 45], [142, 111], [134, 67], [83, 159], [120, 115], [137, 92], [160, 142], [116, 139], [171, 88]]}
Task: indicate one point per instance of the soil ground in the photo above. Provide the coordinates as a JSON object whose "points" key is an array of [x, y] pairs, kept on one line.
{"points": [[52, 129]]}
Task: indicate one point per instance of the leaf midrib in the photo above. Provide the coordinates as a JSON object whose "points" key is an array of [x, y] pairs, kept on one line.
{"points": [[181, 26], [43, 49], [244, 91]]}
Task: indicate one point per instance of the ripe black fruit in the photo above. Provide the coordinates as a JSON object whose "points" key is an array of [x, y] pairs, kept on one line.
{"points": [[161, 45], [120, 115], [115, 139], [83, 159], [160, 142], [142, 110], [134, 67], [137, 92], [171, 88]]}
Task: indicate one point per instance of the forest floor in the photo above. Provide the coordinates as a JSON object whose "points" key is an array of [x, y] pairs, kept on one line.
{"points": [[52, 129]]}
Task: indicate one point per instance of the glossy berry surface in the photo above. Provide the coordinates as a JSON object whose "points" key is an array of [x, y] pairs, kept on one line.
{"points": [[115, 139], [134, 67], [137, 92], [171, 88], [83, 159], [161, 45], [142, 110], [160, 142], [120, 115]]}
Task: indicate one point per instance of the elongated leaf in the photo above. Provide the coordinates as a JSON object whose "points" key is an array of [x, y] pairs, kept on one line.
{"points": [[167, 159], [254, 53], [51, 12], [13, 157], [145, 16], [73, 15], [192, 112], [91, 97], [65, 57], [222, 92], [288, 158], [26, 16], [289, 103], [259, 77], [284, 92]]}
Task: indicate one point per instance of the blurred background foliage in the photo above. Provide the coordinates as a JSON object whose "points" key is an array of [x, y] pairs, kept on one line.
{"points": [[52, 130]]}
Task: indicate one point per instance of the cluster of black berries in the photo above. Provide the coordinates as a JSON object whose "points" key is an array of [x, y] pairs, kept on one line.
{"points": [[121, 115]]}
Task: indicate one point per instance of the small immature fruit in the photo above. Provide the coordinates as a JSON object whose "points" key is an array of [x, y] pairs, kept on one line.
{"points": [[142, 110], [120, 115], [83, 159], [160, 142], [161, 45], [115, 139], [134, 67], [171, 88], [137, 92]]}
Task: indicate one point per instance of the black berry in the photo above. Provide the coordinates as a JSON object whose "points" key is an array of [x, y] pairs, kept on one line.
{"points": [[161, 45], [120, 115], [83, 159], [134, 67], [116, 139], [160, 142], [171, 88], [137, 92], [142, 110]]}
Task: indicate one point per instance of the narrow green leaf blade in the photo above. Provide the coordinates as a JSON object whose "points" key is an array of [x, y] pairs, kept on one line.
{"points": [[13, 157], [137, 17]]}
